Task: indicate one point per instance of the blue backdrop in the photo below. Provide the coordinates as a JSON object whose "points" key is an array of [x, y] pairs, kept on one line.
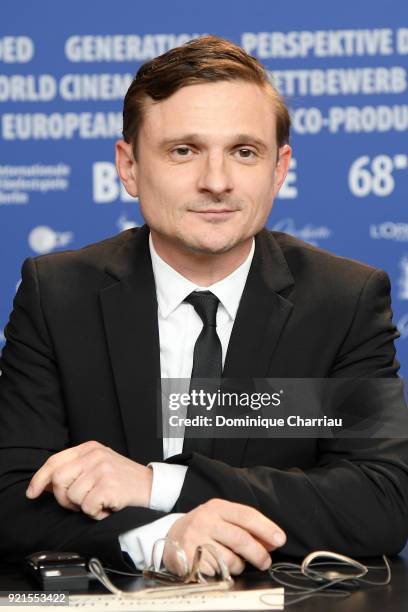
{"points": [[65, 66]]}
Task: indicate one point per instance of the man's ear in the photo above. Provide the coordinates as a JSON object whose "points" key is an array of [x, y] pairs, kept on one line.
{"points": [[282, 167], [126, 167]]}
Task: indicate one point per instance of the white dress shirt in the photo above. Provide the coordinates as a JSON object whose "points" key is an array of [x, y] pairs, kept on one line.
{"points": [[179, 328]]}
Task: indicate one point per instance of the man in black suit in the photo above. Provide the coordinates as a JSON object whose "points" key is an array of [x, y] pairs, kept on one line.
{"points": [[206, 150]]}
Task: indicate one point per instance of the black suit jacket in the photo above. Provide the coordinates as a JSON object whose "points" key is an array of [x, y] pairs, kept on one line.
{"points": [[82, 361]]}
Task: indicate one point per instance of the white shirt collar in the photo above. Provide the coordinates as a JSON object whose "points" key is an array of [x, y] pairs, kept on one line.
{"points": [[172, 288]]}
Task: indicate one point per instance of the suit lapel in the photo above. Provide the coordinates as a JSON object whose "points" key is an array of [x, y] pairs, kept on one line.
{"points": [[262, 315], [129, 308]]}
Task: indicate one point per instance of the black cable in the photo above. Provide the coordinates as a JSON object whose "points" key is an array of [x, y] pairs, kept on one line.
{"points": [[302, 591]]}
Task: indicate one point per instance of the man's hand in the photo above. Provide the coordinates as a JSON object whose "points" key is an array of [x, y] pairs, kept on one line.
{"points": [[93, 478], [240, 533]]}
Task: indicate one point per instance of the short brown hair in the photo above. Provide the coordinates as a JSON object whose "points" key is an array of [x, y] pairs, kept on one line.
{"points": [[205, 59]]}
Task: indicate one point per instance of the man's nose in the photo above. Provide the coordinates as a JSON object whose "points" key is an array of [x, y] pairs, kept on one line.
{"points": [[215, 176]]}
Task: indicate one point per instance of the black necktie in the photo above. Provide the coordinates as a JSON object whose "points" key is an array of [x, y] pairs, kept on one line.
{"points": [[207, 362]]}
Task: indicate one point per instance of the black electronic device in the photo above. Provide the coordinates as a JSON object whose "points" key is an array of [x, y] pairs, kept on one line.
{"points": [[58, 571]]}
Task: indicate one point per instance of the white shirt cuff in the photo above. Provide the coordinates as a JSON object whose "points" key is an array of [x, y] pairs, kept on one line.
{"points": [[168, 480], [138, 543]]}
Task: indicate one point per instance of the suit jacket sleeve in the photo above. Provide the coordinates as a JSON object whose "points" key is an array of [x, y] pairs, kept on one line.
{"points": [[33, 426], [355, 499]]}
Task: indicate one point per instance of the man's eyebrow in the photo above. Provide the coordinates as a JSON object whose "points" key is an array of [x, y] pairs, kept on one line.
{"points": [[164, 142], [250, 139], [237, 139]]}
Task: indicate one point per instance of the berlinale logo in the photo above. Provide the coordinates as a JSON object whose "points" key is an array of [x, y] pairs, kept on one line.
{"points": [[43, 239]]}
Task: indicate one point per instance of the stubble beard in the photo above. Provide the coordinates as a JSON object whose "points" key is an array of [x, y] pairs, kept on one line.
{"points": [[194, 246]]}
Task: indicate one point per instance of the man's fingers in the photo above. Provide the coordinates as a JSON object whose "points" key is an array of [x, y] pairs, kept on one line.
{"points": [[80, 488], [102, 514], [235, 564], [39, 482], [94, 478], [267, 545], [246, 517], [234, 535], [242, 543], [208, 564], [207, 568], [97, 503], [60, 469], [56, 473], [83, 475], [60, 494]]}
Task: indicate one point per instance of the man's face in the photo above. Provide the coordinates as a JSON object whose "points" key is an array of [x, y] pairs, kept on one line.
{"points": [[207, 169]]}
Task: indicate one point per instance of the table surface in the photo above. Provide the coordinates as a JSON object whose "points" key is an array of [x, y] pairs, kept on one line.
{"points": [[390, 598]]}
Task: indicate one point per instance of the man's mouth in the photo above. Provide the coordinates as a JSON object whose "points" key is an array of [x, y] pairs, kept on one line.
{"points": [[215, 214], [216, 210]]}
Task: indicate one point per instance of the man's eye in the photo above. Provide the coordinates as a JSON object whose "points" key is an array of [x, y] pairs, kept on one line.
{"points": [[246, 153], [181, 151]]}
